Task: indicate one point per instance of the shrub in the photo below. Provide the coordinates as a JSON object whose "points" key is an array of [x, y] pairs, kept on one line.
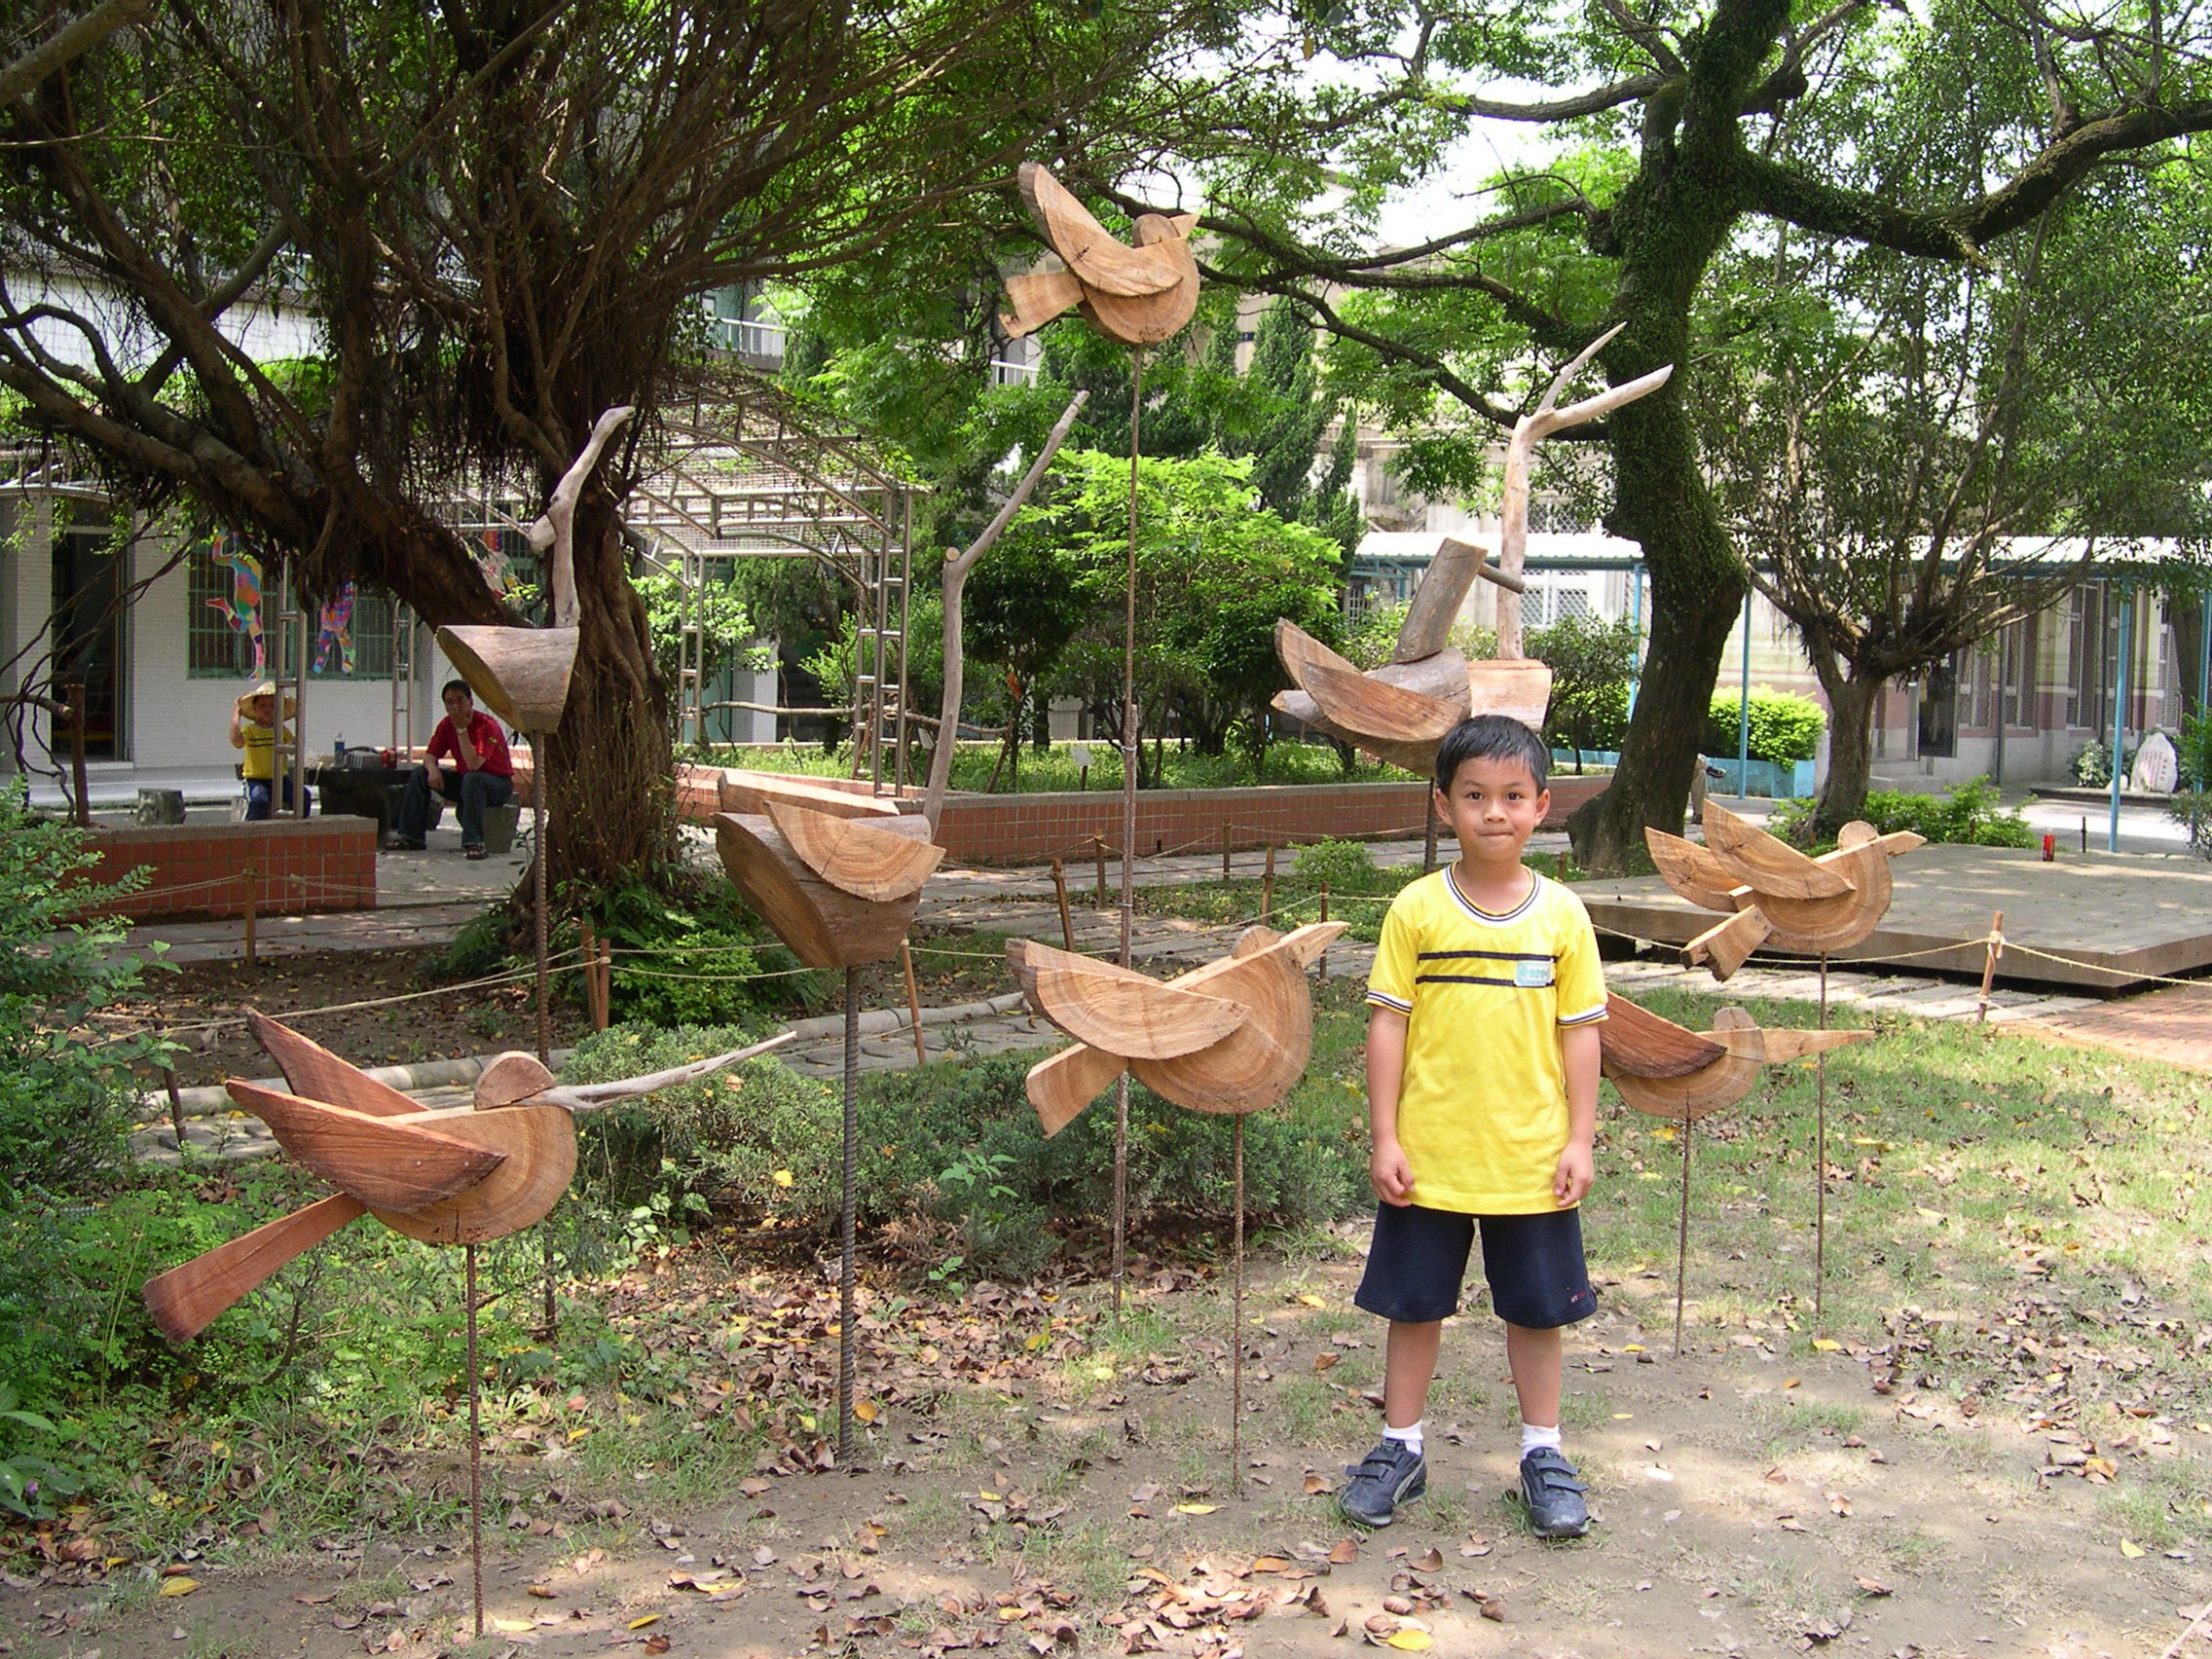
{"points": [[1591, 662], [1785, 727], [1342, 865], [64, 1093], [956, 1142], [1972, 814]]}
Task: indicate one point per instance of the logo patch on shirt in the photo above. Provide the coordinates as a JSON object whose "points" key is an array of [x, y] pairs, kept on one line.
{"points": [[1531, 976]]}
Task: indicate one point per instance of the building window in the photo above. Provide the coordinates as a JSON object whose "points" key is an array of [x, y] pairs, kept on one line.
{"points": [[223, 637], [2016, 657], [2088, 658], [227, 623]]}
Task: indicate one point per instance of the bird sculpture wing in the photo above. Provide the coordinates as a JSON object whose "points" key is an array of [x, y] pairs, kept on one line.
{"points": [[873, 859], [1634, 1042], [386, 1162], [1770, 865], [1092, 251], [1694, 872], [1378, 709], [317, 1073], [1119, 1010]]}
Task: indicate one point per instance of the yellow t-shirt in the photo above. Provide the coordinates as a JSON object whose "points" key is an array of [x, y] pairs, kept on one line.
{"points": [[260, 746], [1481, 1112]]}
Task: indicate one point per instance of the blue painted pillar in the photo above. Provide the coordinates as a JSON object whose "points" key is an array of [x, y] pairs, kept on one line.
{"points": [[2119, 718]]}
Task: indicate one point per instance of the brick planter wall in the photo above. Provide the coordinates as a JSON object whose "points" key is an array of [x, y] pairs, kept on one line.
{"points": [[1030, 829], [325, 864]]}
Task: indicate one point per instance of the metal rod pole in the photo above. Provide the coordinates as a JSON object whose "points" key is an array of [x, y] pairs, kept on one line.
{"points": [[1682, 1237], [1128, 823], [475, 1450], [845, 1218], [913, 1001], [2120, 721], [1820, 1155], [541, 782], [1237, 1322], [1635, 622]]}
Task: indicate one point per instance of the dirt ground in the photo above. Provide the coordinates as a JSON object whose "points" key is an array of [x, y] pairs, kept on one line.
{"points": [[1073, 1494]]}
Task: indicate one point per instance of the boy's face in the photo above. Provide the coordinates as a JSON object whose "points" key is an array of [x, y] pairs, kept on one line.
{"points": [[261, 711], [1494, 806]]}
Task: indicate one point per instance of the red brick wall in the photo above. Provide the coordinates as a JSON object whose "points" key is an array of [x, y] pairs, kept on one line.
{"points": [[198, 869], [1030, 829]]}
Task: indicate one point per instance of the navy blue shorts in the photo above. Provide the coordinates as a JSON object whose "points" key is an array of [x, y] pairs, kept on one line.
{"points": [[1533, 1263]]}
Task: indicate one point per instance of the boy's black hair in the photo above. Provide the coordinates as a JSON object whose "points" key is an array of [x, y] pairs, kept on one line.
{"points": [[1490, 737], [460, 686]]}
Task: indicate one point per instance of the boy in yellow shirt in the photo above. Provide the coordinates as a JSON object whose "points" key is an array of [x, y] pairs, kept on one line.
{"points": [[1482, 1085]]}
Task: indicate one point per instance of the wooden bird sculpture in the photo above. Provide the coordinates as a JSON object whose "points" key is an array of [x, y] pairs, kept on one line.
{"points": [[1399, 711], [1773, 892], [1670, 1071], [458, 1175], [1228, 1038], [522, 674], [836, 873], [1137, 295]]}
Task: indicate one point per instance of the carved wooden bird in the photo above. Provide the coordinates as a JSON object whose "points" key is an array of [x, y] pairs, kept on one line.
{"points": [[1137, 295], [1670, 1071], [1228, 1038], [522, 674], [1775, 894], [1401, 711], [459, 1175], [837, 874]]}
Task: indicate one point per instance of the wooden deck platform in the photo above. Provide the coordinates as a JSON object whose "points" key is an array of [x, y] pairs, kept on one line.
{"points": [[2113, 918]]}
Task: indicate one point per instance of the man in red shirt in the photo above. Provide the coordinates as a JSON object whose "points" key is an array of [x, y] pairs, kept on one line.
{"points": [[481, 773]]}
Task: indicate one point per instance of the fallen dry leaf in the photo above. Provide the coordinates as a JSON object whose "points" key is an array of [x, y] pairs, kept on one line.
{"points": [[2129, 1547], [1872, 1587], [1325, 1359], [1343, 1553], [641, 1623], [186, 1586], [1432, 1562], [1316, 1485], [656, 1644]]}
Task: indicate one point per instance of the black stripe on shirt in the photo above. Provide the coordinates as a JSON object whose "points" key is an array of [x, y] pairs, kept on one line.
{"points": [[1472, 979], [1491, 955]]}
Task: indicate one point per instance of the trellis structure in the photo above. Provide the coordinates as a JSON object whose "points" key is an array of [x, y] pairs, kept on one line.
{"points": [[746, 480]]}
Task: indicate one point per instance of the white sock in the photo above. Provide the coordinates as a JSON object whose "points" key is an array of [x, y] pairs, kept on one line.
{"points": [[1410, 1437], [1533, 1435]]}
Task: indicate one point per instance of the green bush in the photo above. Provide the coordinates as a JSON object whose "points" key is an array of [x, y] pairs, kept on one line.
{"points": [[1972, 814], [1784, 727], [1342, 865], [1591, 662], [956, 1142], [66, 1093]]}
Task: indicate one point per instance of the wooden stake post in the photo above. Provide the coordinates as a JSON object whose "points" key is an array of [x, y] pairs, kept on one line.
{"points": [[1061, 897], [1989, 964]]}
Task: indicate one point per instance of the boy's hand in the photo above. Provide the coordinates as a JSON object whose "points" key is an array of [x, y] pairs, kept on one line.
{"points": [[1570, 1181], [1391, 1174]]}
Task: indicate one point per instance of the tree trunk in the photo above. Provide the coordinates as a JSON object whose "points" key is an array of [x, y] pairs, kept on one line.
{"points": [[2187, 612], [614, 791], [1851, 746]]}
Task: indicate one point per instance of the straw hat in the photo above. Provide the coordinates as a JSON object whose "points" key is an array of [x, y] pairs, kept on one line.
{"points": [[267, 688]]}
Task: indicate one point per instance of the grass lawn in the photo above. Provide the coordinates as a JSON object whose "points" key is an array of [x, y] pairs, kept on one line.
{"points": [[2001, 1422]]}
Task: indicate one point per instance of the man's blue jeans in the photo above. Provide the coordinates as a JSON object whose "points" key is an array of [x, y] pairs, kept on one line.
{"points": [[472, 791], [259, 796]]}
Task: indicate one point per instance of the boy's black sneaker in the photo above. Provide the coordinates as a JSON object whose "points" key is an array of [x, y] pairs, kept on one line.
{"points": [[1553, 1493], [1391, 1474]]}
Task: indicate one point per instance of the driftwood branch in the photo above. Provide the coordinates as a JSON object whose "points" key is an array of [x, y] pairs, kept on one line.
{"points": [[955, 579], [1528, 432], [583, 1096], [557, 528]]}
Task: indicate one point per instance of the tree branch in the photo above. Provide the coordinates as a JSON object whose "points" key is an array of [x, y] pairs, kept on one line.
{"points": [[69, 43]]}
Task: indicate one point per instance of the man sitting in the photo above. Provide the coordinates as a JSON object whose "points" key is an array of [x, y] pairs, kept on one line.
{"points": [[481, 775]]}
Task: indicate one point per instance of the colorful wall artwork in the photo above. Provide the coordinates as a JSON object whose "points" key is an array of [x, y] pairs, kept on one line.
{"points": [[337, 631], [242, 609]]}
